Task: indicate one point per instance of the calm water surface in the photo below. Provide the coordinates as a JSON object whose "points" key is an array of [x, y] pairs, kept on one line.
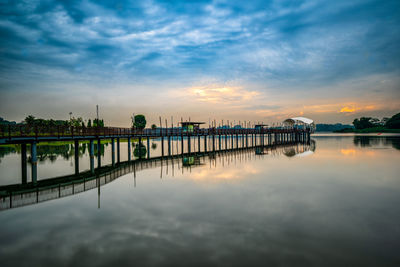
{"points": [[335, 206]]}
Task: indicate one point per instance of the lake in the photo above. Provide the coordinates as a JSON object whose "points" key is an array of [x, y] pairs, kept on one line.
{"points": [[334, 202]]}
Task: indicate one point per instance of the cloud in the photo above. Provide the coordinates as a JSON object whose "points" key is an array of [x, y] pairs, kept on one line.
{"points": [[347, 110], [273, 46], [218, 94], [353, 109], [263, 107]]}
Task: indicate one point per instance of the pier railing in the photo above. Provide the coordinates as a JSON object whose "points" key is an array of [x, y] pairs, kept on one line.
{"points": [[17, 131]]}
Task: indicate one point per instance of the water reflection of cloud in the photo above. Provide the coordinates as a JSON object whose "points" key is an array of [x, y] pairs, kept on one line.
{"points": [[357, 152], [221, 174]]}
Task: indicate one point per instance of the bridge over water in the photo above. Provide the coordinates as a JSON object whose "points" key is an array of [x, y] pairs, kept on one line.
{"points": [[208, 139]]}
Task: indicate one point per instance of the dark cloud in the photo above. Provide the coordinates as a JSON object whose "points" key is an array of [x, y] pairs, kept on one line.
{"points": [[303, 40]]}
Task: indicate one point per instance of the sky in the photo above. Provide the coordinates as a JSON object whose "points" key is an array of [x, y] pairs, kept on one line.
{"points": [[257, 61]]}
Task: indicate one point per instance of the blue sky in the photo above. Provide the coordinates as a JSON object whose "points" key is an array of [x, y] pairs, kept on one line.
{"points": [[244, 60]]}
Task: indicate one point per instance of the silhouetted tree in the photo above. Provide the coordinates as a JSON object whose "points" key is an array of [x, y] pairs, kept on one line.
{"points": [[30, 120], [393, 122], [139, 121], [363, 123]]}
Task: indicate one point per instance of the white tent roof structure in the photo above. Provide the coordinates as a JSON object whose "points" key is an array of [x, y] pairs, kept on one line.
{"points": [[302, 120]]}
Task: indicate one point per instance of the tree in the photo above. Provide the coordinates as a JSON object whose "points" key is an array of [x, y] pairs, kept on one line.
{"points": [[98, 123], [363, 123], [30, 120], [393, 122], [375, 121], [139, 121], [89, 123], [76, 122], [153, 126], [139, 151]]}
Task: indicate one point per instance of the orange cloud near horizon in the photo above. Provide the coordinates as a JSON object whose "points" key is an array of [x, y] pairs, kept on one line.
{"points": [[348, 110]]}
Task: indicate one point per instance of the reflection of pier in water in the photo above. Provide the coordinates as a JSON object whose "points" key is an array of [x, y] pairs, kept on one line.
{"points": [[25, 194]]}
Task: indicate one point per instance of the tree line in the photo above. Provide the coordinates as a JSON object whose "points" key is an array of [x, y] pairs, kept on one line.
{"points": [[369, 122], [31, 121]]}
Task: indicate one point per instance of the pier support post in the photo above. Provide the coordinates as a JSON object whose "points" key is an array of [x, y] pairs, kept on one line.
{"points": [[162, 146], [189, 145], [169, 145], [148, 147], [91, 152], [213, 142], [140, 147], [34, 162], [129, 148], [226, 141], [182, 144], [237, 141], [98, 153], [76, 150], [113, 152], [205, 143], [262, 139], [198, 143], [118, 151], [219, 142], [232, 140], [23, 164]]}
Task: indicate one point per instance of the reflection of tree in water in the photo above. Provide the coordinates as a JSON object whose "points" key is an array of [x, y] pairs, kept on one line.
{"points": [[362, 141], [396, 143], [45, 152], [5, 150], [290, 152], [66, 151], [140, 150], [367, 141], [52, 152], [299, 148]]}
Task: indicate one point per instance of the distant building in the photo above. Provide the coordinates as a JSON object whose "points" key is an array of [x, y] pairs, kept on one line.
{"points": [[190, 126]]}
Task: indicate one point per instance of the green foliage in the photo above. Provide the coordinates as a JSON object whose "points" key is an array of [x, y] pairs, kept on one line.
{"points": [[332, 127], [76, 122], [139, 121], [89, 123], [153, 126], [31, 121], [363, 123], [98, 123], [6, 122], [153, 146], [393, 122], [140, 151]]}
